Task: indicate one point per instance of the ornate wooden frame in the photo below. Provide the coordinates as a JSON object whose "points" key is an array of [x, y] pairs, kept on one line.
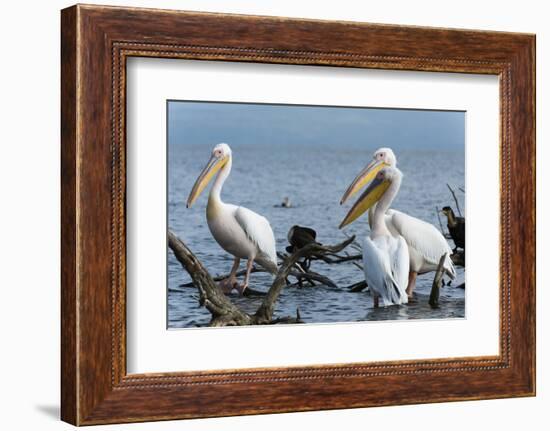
{"points": [[95, 43]]}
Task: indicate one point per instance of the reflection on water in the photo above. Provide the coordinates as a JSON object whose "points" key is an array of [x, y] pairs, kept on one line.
{"points": [[314, 179]]}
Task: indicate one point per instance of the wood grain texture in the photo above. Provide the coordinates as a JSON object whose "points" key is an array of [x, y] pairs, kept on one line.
{"points": [[69, 397], [96, 41]]}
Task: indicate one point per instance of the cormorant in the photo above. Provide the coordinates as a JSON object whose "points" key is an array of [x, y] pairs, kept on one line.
{"points": [[456, 227]]}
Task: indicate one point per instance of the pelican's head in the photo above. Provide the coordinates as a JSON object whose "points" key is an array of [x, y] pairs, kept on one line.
{"points": [[386, 155], [220, 155], [376, 189], [381, 158]]}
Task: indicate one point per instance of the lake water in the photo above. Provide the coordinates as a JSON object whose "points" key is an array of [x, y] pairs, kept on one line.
{"points": [[314, 178]]}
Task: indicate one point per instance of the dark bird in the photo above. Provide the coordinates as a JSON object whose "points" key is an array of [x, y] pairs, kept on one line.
{"points": [[285, 203], [299, 237], [456, 227]]}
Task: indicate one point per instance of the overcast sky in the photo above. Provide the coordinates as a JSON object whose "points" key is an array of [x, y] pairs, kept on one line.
{"points": [[259, 124]]}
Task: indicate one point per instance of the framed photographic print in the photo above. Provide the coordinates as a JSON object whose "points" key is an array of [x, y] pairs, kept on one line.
{"points": [[258, 208]]}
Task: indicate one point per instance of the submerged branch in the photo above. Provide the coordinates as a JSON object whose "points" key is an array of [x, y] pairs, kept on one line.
{"points": [[459, 258], [358, 287], [288, 319]]}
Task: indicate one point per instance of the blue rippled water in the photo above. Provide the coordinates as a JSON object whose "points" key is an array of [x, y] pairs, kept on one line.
{"points": [[314, 178]]}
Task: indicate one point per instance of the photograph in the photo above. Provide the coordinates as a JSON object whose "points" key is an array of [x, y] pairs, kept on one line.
{"points": [[287, 214], [261, 210]]}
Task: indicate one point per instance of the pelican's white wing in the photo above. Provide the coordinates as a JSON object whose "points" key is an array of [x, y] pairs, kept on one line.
{"points": [[400, 263], [426, 243], [386, 265], [258, 230]]}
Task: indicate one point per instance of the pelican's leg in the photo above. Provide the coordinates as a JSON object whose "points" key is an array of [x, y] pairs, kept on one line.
{"points": [[249, 264], [375, 299], [412, 283], [227, 284]]}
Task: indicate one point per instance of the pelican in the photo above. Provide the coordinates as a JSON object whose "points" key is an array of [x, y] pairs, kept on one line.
{"points": [[426, 244], [385, 256], [238, 230]]}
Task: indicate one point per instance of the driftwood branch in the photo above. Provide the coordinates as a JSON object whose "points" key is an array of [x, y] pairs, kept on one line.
{"points": [[358, 265], [331, 258], [439, 220], [354, 244], [299, 274], [438, 278], [313, 276], [301, 268], [265, 312], [456, 200], [223, 311], [224, 276]]}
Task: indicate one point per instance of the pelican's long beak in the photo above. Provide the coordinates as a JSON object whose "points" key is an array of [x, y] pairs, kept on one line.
{"points": [[213, 166], [370, 196], [364, 177]]}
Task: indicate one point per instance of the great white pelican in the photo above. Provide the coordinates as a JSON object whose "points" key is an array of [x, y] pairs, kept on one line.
{"points": [[238, 230], [385, 256], [426, 244]]}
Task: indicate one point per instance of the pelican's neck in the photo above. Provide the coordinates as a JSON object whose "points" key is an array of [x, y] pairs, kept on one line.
{"points": [[393, 163], [371, 215], [377, 216], [214, 198]]}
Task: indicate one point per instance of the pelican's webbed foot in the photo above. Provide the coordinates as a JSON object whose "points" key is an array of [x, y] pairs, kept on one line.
{"points": [[228, 284], [241, 288]]}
